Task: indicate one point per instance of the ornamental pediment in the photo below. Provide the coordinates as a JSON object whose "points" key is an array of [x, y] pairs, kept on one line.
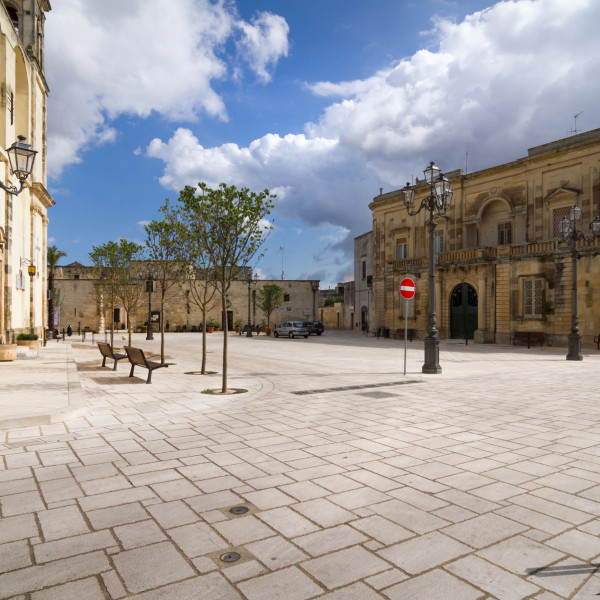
{"points": [[562, 193]]}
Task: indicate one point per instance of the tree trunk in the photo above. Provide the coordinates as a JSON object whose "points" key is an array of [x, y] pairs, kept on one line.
{"points": [[112, 324], [162, 324], [203, 368], [51, 299], [224, 312]]}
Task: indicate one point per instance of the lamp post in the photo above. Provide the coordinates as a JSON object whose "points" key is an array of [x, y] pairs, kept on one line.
{"points": [[570, 235], [249, 326], [149, 289], [437, 203]]}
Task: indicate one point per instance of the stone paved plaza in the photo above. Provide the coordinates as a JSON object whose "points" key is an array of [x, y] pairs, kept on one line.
{"points": [[360, 483]]}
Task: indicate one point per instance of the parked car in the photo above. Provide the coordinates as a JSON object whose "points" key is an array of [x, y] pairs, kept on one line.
{"points": [[315, 327], [291, 329]]}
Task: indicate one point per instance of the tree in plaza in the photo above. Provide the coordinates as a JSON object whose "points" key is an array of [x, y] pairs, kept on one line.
{"points": [[199, 271], [268, 298], [164, 249], [54, 255], [119, 269], [234, 227]]}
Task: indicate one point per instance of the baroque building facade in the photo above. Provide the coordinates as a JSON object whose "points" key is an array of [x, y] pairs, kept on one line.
{"points": [[500, 266], [80, 305], [23, 217]]}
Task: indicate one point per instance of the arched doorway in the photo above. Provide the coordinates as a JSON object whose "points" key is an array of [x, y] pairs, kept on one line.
{"points": [[463, 311]]}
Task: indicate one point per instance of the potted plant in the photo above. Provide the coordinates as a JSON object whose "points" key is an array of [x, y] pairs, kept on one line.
{"points": [[7, 351], [211, 325], [238, 325], [28, 339]]}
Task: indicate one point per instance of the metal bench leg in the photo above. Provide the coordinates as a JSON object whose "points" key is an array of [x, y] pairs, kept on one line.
{"points": [[149, 380], [104, 361], [131, 372], [115, 365]]}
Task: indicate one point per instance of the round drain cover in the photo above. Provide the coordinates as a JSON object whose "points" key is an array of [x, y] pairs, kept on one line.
{"points": [[230, 557], [238, 510]]}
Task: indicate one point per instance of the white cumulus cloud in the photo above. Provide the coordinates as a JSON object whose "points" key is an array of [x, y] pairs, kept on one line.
{"points": [[500, 81], [111, 58], [264, 41]]}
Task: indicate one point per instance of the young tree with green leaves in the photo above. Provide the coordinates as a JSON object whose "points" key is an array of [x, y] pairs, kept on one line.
{"points": [[199, 271], [234, 228], [164, 249], [54, 255], [268, 298], [119, 269]]}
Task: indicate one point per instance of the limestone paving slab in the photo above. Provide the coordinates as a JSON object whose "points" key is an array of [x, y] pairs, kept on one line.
{"points": [[451, 488]]}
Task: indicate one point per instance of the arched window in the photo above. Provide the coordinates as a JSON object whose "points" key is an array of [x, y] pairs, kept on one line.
{"points": [[14, 16]]}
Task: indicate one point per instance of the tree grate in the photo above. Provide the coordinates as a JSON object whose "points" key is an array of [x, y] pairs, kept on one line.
{"points": [[346, 388]]}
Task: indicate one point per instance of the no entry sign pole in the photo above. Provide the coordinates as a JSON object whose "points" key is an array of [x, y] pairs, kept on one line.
{"points": [[407, 291]]}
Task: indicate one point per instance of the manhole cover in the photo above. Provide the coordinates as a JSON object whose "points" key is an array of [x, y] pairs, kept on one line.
{"points": [[238, 510], [229, 557]]}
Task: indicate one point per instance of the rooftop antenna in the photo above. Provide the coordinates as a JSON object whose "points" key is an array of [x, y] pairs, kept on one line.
{"points": [[466, 163], [575, 131], [281, 249]]}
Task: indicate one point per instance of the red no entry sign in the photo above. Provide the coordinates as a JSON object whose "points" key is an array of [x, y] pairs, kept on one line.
{"points": [[407, 288]]}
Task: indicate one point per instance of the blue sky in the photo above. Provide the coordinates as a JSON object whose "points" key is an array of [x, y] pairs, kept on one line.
{"points": [[324, 102]]}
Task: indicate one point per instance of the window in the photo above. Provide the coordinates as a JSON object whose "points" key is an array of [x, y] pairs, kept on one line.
{"points": [[438, 241], [533, 298], [558, 214], [504, 234], [401, 249], [286, 297], [363, 266], [14, 17]]}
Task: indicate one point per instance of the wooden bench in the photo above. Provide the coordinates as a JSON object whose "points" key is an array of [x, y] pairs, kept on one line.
{"points": [[399, 334], [528, 336], [136, 358], [107, 352]]}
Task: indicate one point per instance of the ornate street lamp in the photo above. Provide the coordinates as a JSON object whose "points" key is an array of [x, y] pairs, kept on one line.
{"points": [[437, 203], [150, 289], [21, 157], [570, 235]]}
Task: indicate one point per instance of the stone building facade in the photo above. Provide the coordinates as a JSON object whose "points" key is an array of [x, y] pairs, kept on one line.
{"points": [[363, 280], [500, 267], [80, 305], [23, 217]]}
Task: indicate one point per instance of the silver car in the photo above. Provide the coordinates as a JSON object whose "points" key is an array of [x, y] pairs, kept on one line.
{"points": [[291, 329]]}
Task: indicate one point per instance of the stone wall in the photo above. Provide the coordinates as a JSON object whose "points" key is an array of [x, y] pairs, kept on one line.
{"points": [[80, 304]]}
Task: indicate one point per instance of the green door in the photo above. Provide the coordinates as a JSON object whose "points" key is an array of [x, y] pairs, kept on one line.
{"points": [[463, 312]]}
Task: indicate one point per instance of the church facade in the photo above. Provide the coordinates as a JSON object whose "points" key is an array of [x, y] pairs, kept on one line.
{"points": [[23, 217], [500, 264]]}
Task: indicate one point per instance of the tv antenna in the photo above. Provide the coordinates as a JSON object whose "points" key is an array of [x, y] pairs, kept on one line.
{"points": [[575, 130]]}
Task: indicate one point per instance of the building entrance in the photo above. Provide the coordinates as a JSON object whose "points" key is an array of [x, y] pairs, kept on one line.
{"points": [[463, 312]]}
